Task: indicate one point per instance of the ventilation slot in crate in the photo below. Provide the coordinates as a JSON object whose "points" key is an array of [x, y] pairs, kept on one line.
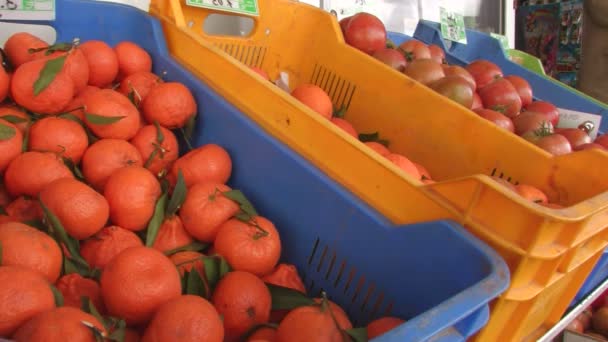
{"points": [[359, 297], [251, 55], [339, 89]]}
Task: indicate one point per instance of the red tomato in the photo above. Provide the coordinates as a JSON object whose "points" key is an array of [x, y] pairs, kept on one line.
{"points": [[415, 49], [455, 70], [589, 147], [365, 32], [575, 136], [527, 122], [344, 23], [454, 88], [484, 72], [501, 96], [497, 118], [424, 71], [523, 89], [547, 108], [555, 144], [391, 57], [602, 140], [437, 53], [477, 104]]}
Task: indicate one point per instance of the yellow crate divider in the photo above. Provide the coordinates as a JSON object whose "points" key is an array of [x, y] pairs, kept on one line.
{"points": [[451, 141]]}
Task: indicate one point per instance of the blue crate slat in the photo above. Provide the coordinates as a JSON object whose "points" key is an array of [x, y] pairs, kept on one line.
{"points": [[483, 46], [436, 275], [595, 278]]}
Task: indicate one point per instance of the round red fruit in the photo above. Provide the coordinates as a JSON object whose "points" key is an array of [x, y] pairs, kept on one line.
{"points": [[501, 96], [456, 89], [546, 108], [530, 122], [365, 32], [425, 71], [523, 89], [484, 72], [576, 137], [455, 70], [437, 53], [391, 57], [415, 49], [497, 118]]}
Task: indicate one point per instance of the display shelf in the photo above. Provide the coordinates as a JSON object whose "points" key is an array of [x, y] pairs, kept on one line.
{"points": [[572, 314]]}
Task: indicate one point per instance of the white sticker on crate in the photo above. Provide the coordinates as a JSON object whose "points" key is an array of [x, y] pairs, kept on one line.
{"points": [[572, 119], [27, 9]]}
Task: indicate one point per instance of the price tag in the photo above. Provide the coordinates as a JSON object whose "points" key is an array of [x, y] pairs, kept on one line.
{"points": [[27, 9], [452, 26], [504, 41], [247, 7], [572, 119]]}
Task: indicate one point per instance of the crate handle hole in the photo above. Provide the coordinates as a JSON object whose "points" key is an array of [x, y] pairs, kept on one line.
{"points": [[228, 25]]}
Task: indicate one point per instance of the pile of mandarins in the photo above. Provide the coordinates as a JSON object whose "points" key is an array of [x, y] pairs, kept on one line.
{"points": [[107, 233]]}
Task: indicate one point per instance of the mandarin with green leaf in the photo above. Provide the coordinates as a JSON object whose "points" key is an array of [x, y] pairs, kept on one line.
{"points": [[138, 85], [253, 246], [111, 115], [74, 287], [158, 148], [187, 260], [172, 235], [40, 86], [81, 210], [15, 116], [206, 209], [11, 143], [17, 48]]}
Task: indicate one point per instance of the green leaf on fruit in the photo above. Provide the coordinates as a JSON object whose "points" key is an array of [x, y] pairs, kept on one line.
{"points": [[26, 138], [284, 298], [70, 116], [357, 334], [86, 305], [390, 44], [159, 133], [247, 209], [157, 220], [188, 130], [118, 330], [3, 211], [194, 246], [179, 195], [57, 230], [48, 73], [57, 295], [215, 268], [7, 132], [195, 285], [36, 224], [73, 167], [14, 119], [102, 120], [96, 332]]}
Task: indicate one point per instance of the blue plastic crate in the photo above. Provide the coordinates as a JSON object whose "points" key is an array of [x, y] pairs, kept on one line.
{"points": [[436, 275], [595, 278], [483, 46]]}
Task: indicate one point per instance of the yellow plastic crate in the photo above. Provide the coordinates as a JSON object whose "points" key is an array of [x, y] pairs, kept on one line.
{"points": [[458, 147]]}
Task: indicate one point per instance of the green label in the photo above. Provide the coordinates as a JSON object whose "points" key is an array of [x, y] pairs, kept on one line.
{"points": [[452, 26], [247, 7], [27, 9], [504, 41]]}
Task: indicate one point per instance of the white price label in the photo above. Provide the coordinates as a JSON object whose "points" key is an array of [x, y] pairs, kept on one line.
{"points": [[27, 9], [572, 119], [249, 7]]}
